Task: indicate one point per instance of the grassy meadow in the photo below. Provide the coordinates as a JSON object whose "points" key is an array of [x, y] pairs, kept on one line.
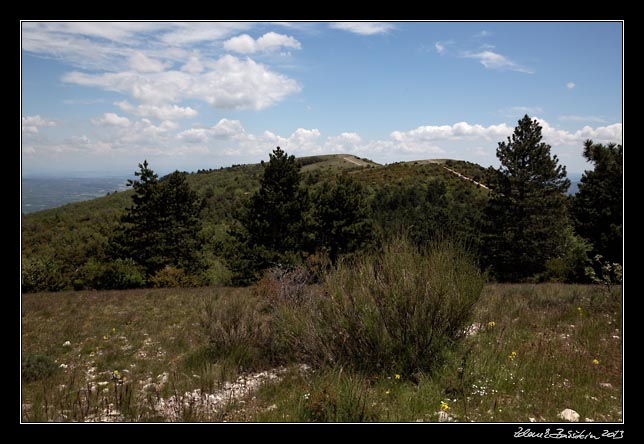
{"points": [[531, 351]]}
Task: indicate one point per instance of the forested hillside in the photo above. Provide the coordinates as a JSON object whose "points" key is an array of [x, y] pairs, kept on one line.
{"points": [[63, 246]]}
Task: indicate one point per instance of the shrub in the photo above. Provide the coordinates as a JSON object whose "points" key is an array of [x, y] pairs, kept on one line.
{"points": [[41, 274], [395, 311], [36, 367], [173, 277], [285, 285], [113, 275]]}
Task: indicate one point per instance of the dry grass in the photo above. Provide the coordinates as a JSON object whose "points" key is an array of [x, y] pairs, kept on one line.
{"points": [[154, 340]]}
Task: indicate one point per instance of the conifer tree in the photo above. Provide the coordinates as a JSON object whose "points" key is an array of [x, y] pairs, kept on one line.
{"points": [[526, 215], [162, 225], [271, 225], [598, 205], [341, 218]]}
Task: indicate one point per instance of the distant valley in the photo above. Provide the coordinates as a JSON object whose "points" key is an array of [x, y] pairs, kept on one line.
{"points": [[41, 193]]}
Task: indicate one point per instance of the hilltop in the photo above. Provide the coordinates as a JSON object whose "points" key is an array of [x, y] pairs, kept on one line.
{"points": [[63, 240]]}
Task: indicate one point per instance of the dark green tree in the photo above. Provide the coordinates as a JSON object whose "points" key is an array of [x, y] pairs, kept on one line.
{"points": [[161, 226], [597, 207], [180, 209], [341, 218], [271, 225], [526, 215]]}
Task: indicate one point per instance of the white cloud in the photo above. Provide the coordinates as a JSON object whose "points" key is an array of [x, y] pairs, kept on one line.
{"points": [[193, 65], [460, 130], [227, 82], [225, 129], [30, 124], [493, 60], [570, 85], [112, 119], [232, 83], [228, 129], [163, 112], [190, 33], [270, 41], [142, 63], [195, 135], [364, 28], [343, 143], [440, 47], [601, 134]]}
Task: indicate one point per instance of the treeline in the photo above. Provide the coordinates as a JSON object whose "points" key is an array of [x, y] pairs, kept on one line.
{"points": [[525, 228]]}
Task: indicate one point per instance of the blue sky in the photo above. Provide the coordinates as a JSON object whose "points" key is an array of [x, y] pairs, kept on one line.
{"points": [[100, 97]]}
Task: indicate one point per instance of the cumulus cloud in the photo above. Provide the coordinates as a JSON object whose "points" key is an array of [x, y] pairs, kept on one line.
{"points": [[364, 28], [570, 85], [30, 124], [440, 47], [227, 82], [112, 119], [493, 60], [343, 143], [270, 41], [460, 130], [163, 112], [225, 129], [601, 134]]}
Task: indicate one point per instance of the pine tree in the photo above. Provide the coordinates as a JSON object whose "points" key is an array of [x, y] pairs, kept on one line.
{"points": [[162, 225], [598, 205], [271, 230], [526, 214], [180, 221], [341, 218]]}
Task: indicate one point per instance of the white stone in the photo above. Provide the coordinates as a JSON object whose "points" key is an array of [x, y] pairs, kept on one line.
{"points": [[445, 417], [589, 420], [607, 385], [532, 419], [67, 344], [569, 415]]}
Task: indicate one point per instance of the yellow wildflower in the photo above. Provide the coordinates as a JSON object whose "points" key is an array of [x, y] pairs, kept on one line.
{"points": [[387, 392], [444, 406], [596, 361], [105, 337], [512, 356], [491, 324], [397, 376]]}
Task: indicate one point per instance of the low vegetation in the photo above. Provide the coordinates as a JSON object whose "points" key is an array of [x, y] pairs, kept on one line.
{"points": [[529, 351]]}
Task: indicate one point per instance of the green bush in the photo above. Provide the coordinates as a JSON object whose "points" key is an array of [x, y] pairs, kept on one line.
{"points": [[36, 367], [396, 311], [173, 277], [41, 274], [112, 275]]}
